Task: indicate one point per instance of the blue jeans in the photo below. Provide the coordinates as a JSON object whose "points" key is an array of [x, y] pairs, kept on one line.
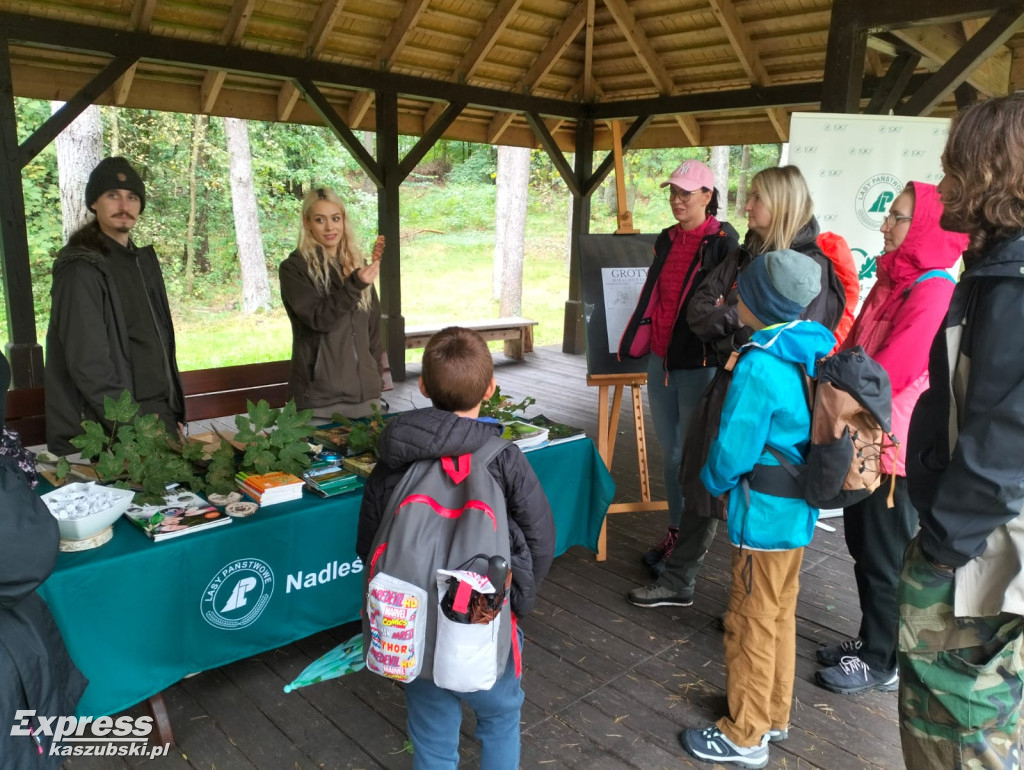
{"points": [[671, 407], [435, 714]]}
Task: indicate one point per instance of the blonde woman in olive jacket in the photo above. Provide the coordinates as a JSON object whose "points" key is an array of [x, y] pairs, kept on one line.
{"points": [[334, 311]]}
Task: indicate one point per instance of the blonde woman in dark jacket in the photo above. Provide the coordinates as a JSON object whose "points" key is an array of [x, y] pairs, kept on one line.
{"points": [[328, 294]]}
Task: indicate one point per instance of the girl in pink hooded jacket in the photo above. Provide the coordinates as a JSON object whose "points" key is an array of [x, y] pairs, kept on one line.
{"points": [[900, 317]]}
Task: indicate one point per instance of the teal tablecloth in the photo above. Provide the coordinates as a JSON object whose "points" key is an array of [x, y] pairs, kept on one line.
{"points": [[137, 616]]}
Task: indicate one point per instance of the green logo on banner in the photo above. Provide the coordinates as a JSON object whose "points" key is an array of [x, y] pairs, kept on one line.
{"points": [[874, 197], [882, 202]]}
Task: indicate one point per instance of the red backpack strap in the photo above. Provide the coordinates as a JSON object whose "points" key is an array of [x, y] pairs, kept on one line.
{"points": [[457, 468]]}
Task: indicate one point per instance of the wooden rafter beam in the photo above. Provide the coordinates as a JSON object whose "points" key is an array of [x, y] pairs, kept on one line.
{"points": [[72, 108], [316, 38], [602, 171], [893, 84], [641, 46], [555, 153], [333, 121], [559, 43], [321, 28], [392, 46], [725, 12], [997, 30], [140, 20], [484, 42], [939, 44], [690, 127], [902, 13], [429, 138], [231, 34], [588, 54], [142, 15], [123, 86], [779, 119]]}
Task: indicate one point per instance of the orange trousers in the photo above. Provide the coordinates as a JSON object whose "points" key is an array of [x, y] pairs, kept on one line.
{"points": [[760, 643]]}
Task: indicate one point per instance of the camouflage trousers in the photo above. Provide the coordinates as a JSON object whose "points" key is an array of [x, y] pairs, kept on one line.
{"points": [[960, 678]]}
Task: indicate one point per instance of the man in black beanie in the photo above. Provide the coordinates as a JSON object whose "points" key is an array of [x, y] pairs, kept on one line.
{"points": [[110, 322]]}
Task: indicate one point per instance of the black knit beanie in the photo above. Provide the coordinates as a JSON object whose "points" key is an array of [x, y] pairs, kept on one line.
{"points": [[114, 174]]}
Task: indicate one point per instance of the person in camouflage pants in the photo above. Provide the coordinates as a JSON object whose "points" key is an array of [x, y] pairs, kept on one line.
{"points": [[960, 686], [961, 592]]}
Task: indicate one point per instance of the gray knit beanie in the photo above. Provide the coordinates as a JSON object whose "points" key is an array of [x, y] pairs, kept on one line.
{"points": [[779, 285]]}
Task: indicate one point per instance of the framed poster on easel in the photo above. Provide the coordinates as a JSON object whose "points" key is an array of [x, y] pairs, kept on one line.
{"points": [[613, 270]]}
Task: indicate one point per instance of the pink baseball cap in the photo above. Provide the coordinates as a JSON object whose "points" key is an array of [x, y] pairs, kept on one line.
{"points": [[691, 175]]}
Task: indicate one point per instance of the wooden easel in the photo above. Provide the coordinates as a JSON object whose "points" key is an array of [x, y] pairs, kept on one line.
{"points": [[607, 428]]}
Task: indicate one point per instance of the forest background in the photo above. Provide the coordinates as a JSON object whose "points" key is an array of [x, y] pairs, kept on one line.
{"points": [[448, 222]]}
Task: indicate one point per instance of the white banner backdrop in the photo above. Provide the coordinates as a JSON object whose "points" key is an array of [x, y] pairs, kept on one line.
{"points": [[856, 165]]}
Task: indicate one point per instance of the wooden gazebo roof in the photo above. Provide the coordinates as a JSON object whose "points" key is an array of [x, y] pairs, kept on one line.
{"points": [[708, 71], [554, 73]]}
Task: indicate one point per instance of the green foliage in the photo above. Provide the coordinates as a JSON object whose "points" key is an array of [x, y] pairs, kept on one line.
{"points": [[136, 450], [275, 439], [503, 408], [364, 432]]}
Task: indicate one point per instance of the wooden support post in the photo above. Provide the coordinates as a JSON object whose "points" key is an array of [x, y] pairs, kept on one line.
{"points": [[573, 338], [607, 428], [844, 59], [625, 216], [24, 352], [386, 105]]}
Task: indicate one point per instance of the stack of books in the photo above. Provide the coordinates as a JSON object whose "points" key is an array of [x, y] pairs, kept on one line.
{"points": [[361, 465], [330, 479], [270, 488]]}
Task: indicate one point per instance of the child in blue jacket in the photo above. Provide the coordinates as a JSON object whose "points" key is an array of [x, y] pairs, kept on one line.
{"points": [[766, 406]]}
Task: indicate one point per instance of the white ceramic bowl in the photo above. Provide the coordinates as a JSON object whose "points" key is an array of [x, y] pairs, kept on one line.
{"points": [[86, 527]]}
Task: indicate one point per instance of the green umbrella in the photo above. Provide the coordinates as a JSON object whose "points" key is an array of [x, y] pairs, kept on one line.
{"points": [[343, 659]]}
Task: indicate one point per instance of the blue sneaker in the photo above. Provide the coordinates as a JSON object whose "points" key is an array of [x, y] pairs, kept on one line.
{"points": [[711, 745], [778, 736]]}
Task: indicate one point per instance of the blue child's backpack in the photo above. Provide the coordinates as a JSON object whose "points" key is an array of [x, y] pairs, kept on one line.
{"points": [[445, 515]]}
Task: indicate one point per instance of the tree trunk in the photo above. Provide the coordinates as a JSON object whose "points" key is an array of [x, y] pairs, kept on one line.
{"points": [[720, 168], [741, 183], [255, 285], [513, 182], [784, 154], [115, 131], [79, 149], [198, 133]]}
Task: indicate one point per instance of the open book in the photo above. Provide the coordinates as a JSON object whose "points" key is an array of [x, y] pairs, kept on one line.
{"points": [[183, 512]]}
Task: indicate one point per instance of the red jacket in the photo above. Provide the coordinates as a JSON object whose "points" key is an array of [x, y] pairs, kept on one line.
{"points": [[838, 250], [899, 318]]}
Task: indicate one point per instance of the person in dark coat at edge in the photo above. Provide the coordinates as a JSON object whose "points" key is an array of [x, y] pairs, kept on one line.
{"points": [[780, 215], [110, 322], [678, 366], [36, 672], [961, 592]]}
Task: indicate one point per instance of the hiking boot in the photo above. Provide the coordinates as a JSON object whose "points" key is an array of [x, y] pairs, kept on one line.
{"points": [[711, 745], [833, 654], [854, 675], [655, 595], [778, 736], [660, 551]]}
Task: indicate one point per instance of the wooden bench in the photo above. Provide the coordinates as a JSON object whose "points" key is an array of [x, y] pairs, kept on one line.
{"points": [[209, 393], [516, 332]]}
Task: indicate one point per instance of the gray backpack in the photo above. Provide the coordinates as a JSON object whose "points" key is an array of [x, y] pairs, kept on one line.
{"points": [[445, 514]]}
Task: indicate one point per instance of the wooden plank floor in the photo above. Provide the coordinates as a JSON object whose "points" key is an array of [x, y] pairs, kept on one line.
{"points": [[608, 685]]}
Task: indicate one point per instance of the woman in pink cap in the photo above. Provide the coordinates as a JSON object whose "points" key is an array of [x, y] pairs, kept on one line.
{"points": [[679, 367]]}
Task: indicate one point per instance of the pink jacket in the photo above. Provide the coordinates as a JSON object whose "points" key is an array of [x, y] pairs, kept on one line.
{"points": [[899, 318]]}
